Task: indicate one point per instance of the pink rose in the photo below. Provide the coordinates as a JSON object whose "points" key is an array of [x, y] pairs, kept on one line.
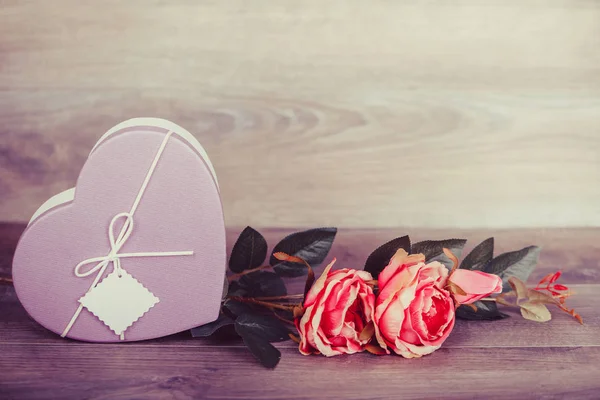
{"points": [[475, 284], [337, 309], [414, 312]]}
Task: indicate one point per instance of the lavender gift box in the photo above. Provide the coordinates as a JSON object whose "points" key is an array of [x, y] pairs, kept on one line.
{"points": [[137, 249]]}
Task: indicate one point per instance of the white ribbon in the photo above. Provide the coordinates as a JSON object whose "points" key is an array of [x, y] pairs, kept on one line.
{"points": [[115, 245], [114, 257]]}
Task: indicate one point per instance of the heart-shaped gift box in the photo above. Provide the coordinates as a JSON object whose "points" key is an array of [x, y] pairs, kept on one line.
{"points": [[137, 249]]}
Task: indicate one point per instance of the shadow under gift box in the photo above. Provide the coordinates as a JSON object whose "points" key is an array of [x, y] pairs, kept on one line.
{"points": [[179, 210]]}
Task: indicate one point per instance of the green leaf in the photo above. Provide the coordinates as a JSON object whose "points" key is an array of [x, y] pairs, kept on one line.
{"points": [[258, 331], [225, 290], [212, 327], [235, 289], [312, 246], [263, 284], [479, 256], [519, 287], [486, 311], [535, 312], [237, 308], [433, 250], [249, 251], [380, 258], [264, 351], [518, 263], [265, 326], [285, 314]]}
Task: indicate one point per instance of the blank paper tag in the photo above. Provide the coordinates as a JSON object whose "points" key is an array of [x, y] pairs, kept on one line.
{"points": [[119, 301]]}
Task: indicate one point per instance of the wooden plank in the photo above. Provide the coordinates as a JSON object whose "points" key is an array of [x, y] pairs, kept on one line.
{"points": [[9, 237], [510, 358], [359, 114], [563, 331], [575, 251], [114, 371]]}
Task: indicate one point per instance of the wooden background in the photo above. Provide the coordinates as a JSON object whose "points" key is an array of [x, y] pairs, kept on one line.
{"points": [[348, 113]]}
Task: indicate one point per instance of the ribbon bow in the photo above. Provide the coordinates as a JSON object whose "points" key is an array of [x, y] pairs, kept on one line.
{"points": [[114, 256]]}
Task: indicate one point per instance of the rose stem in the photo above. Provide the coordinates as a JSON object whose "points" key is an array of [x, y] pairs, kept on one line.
{"points": [[287, 321], [262, 303], [8, 281], [248, 271], [289, 296]]}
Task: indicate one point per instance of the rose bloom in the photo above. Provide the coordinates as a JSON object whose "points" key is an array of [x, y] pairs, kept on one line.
{"points": [[338, 307], [414, 310]]}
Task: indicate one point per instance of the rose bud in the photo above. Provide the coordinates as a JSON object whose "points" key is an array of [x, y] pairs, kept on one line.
{"points": [[475, 284]]}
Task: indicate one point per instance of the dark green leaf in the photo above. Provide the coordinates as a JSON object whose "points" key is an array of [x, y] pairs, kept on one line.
{"points": [[235, 289], [258, 331], [249, 251], [285, 314], [486, 311], [479, 256], [263, 284], [212, 327], [264, 351], [380, 258], [225, 288], [433, 250], [312, 246], [264, 326], [237, 308], [518, 263]]}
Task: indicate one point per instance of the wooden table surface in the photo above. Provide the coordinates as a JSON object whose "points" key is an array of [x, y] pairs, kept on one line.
{"points": [[512, 358]]}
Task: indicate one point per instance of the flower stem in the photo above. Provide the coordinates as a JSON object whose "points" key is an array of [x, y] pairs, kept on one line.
{"points": [[246, 272], [7, 281], [287, 321], [289, 296], [263, 303]]}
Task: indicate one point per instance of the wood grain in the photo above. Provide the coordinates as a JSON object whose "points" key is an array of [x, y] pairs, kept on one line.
{"points": [[576, 252], [101, 372], [512, 358], [356, 114]]}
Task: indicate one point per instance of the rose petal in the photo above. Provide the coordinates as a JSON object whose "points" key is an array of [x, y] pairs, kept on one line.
{"points": [[318, 286]]}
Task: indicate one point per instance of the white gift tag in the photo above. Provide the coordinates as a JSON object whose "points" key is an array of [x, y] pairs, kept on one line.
{"points": [[119, 301]]}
